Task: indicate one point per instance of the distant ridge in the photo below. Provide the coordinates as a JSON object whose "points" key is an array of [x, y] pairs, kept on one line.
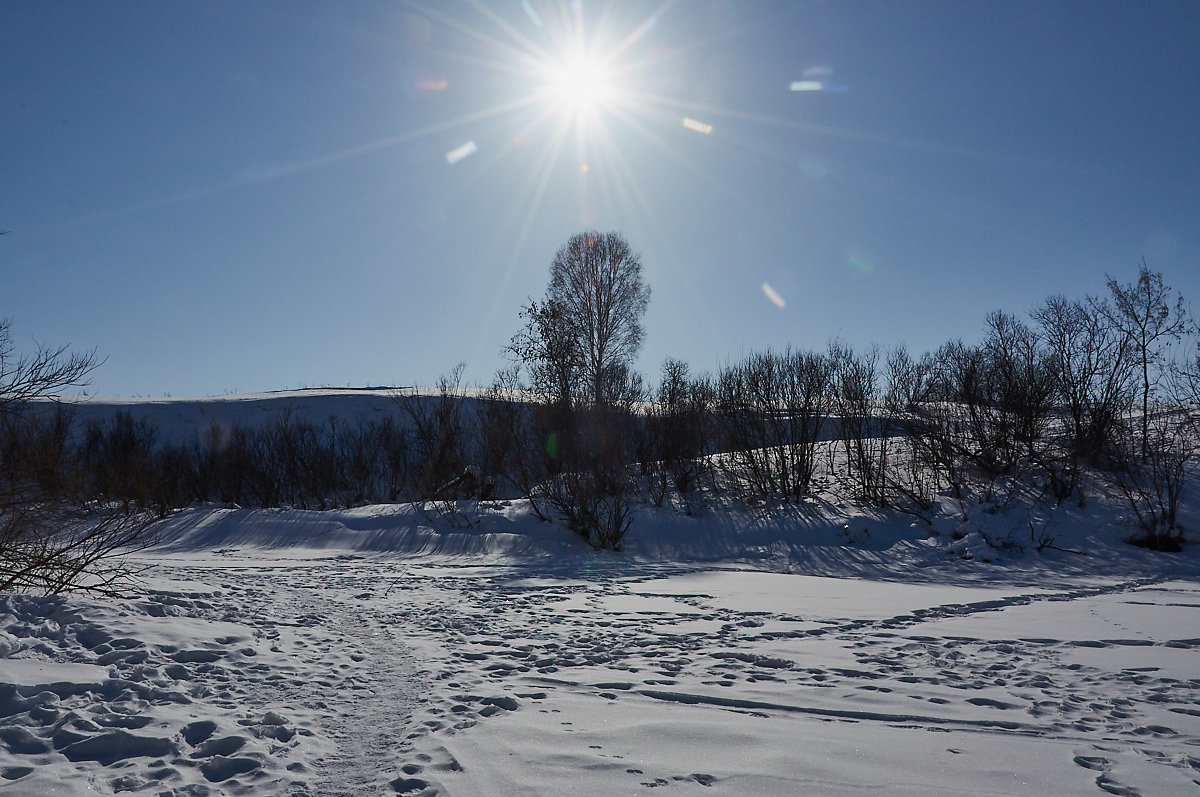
{"points": [[376, 388]]}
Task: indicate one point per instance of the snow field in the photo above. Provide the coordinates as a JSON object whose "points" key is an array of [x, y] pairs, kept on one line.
{"points": [[843, 703], [354, 675], [373, 652]]}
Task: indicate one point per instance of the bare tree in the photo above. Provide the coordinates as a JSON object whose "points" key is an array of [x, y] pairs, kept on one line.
{"points": [[677, 433], [577, 344], [42, 374], [1093, 367], [549, 348], [908, 380], [1144, 313], [855, 392], [53, 536], [1023, 379], [908, 384], [596, 280], [1185, 383], [444, 442]]}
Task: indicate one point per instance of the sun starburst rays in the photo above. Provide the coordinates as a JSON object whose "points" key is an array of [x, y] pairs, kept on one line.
{"points": [[593, 104], [577, 82]]}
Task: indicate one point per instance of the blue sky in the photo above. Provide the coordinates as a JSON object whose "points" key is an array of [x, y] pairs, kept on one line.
{"points": [[258, 195]]}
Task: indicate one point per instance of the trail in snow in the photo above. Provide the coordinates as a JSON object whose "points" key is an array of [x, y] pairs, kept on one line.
{"points": [[352, 672]]}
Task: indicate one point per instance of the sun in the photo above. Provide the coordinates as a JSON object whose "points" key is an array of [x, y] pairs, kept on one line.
{"points": [[581, 84]]}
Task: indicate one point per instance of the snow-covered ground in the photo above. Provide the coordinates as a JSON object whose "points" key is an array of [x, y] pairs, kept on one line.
{"points": [[381, 651]]}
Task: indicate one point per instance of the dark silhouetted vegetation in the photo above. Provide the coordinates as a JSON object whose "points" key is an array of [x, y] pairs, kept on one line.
{"points": [[1077, 397]]}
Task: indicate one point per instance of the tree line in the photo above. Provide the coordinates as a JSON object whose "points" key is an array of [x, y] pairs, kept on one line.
{"points": [[1076, 396]]}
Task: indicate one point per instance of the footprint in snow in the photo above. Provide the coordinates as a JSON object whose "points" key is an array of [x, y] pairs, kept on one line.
{"points": [[1094, 762]]}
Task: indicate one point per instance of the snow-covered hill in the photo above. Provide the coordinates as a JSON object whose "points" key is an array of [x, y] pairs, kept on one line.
{"points": [[181, 419]]}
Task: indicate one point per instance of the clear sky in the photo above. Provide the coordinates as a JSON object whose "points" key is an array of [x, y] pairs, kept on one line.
{"points": [[244, 196]]}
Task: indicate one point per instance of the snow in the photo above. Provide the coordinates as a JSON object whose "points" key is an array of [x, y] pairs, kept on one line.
{"points": [[344, 660], [179, 419], [471, 650]]}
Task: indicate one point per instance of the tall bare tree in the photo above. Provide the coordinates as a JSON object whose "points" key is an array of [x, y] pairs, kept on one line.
{"points": [[578, 343], [1144, 313], [597, 281]]}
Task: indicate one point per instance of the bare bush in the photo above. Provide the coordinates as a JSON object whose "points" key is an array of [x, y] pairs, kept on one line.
{"points": [[1153, 472], [988, 407], [949, 430], [519, 437], [60, 545], [771, 409], [441, 438], [502, 416], [864, 431], [677, 434], [591, 488]]}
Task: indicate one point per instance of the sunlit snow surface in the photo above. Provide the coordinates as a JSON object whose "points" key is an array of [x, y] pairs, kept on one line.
{"points": [[369, 652]]}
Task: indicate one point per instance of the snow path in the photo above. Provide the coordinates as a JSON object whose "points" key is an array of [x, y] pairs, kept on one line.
{"points": [[303, 689], [247, 673], [354, 670]]}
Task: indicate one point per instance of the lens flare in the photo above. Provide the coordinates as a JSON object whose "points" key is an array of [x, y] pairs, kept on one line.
{"points": [[699, 127], [860, 262], [458, 153], [772, 296], [819, 79]]}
